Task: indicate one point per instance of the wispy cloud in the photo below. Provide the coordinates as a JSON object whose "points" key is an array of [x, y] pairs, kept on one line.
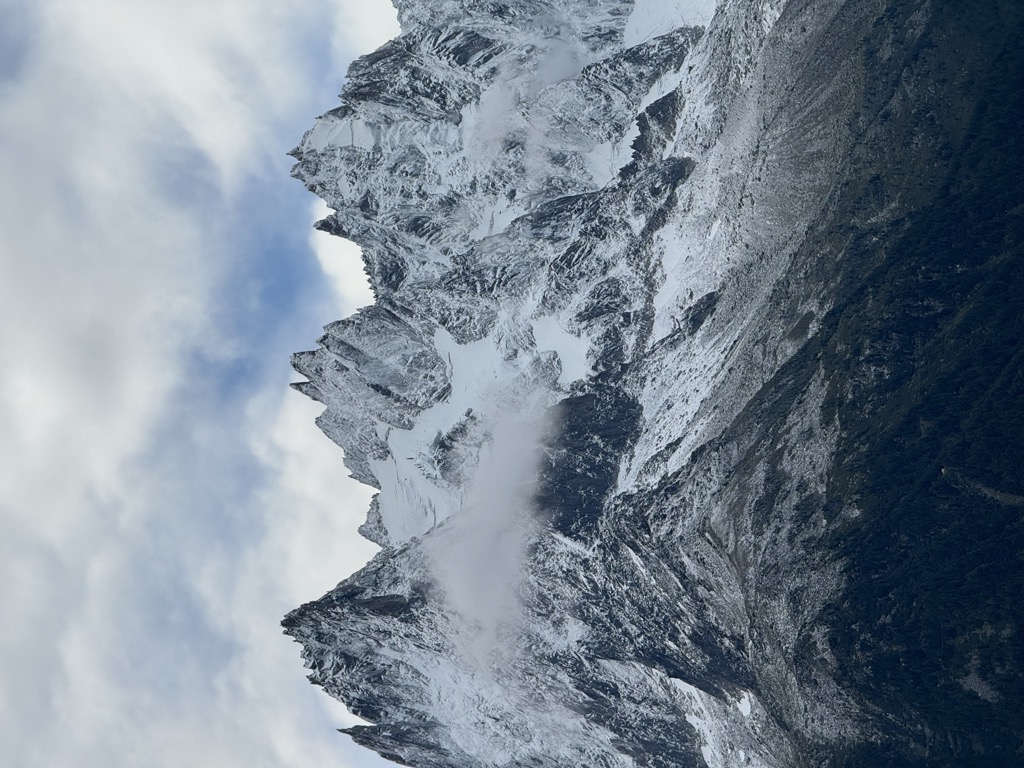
{"points": [[164, 499]]}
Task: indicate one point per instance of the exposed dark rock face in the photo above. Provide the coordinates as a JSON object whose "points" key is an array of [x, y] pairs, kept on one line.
{"points": [[693, 390]]}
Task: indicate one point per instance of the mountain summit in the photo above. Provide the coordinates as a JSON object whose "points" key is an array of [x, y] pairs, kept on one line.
{"points": [[693, 386]]}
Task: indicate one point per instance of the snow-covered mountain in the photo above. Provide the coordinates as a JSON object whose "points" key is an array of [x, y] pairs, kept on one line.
{"points": [[691, 390]]}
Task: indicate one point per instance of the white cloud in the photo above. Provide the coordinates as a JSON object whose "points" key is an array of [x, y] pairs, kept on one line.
{"points": [[341, 261], [362, 27], [157, 520]]}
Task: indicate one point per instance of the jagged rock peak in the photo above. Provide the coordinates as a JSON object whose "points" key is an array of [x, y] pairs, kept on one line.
{"points": [[476, 115], [453, 147]]}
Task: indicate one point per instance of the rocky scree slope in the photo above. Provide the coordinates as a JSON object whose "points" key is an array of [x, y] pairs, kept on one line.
{"points": [[689, 357]]}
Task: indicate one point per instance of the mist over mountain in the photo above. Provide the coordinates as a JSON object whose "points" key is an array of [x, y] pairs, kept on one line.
{"points": [[693, 388]]}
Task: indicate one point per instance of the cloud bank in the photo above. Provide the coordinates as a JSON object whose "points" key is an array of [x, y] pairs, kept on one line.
{"points": [[164, 498]]}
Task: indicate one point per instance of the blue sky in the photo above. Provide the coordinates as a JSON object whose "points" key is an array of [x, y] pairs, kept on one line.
{"points": [[165, 497]]}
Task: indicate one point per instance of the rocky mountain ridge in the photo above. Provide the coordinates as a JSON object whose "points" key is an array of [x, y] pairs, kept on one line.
{"points": [[655, 319]]}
